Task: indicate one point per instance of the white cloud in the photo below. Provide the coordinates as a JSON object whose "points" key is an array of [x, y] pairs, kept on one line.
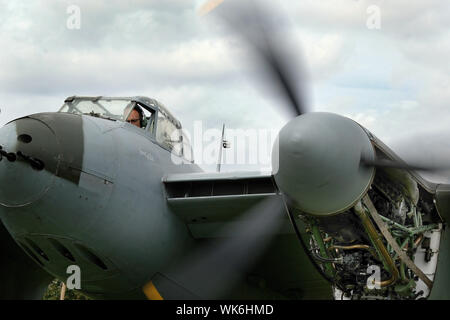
{"points": [[395, 81]]}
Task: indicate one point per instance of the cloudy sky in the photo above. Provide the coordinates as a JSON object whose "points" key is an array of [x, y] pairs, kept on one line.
{"points": [[390, 75]]}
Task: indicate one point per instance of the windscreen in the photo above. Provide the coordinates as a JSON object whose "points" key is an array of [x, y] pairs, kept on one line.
{"points": [[115, 109]]}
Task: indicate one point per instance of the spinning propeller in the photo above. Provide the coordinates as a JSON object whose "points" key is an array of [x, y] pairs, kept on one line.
{"points": [[322, 163]]}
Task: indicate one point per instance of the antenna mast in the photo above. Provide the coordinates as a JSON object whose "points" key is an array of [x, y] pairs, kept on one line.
{"points": [[223, 145]]}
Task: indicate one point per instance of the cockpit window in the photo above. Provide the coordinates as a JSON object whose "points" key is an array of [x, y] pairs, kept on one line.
{"points": [[168, 135], [187, 149], [105, 108]]}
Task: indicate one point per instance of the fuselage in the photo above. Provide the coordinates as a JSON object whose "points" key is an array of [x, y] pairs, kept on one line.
{"points": [[99, 204]]}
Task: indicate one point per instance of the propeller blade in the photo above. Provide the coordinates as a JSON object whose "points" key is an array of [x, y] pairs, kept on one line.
{"points": [[209, 6], [385, 163], [214, 269], [253, 24]]}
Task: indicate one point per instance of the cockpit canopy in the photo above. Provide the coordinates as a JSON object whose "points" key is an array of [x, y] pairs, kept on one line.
{"points": [[157, 120], [110, 108]]}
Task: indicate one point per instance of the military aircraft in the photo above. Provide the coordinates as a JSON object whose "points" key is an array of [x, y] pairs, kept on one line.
{"points": [[340, 216]]}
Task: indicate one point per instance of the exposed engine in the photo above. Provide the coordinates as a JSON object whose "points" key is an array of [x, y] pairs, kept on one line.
{"points": [[353, 253]]}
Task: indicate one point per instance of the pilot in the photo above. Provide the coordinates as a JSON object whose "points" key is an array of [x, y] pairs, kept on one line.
{"points": [[135, 117]]}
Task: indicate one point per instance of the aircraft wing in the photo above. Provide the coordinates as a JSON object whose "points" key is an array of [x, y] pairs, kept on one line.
{"points": [[20, 277], [208, 201], [216, 205]]}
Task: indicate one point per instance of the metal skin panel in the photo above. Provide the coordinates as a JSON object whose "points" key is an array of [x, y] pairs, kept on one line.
{"points": [[286, 269], [20, 276], [283, 271], [56, 140], [442, 280], [215, 209], [26, 185], [316, 162], [440, 290], [215, 176], [63, 155], [443, 201]]}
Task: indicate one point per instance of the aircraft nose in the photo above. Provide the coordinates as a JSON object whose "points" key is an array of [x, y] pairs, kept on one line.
{"points": [[32, 156]]}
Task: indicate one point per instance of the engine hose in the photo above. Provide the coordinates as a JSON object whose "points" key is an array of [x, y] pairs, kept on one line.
{"points": [[308, 253], [403, 256], [326, 260], [379, 246], [356, 246], [323, 251]]}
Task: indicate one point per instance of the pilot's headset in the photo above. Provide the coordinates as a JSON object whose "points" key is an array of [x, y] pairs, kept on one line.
{"points": [[141, 116]]}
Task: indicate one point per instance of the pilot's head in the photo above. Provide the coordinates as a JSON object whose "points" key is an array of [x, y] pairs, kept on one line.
{"points": [[135, 117]]}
